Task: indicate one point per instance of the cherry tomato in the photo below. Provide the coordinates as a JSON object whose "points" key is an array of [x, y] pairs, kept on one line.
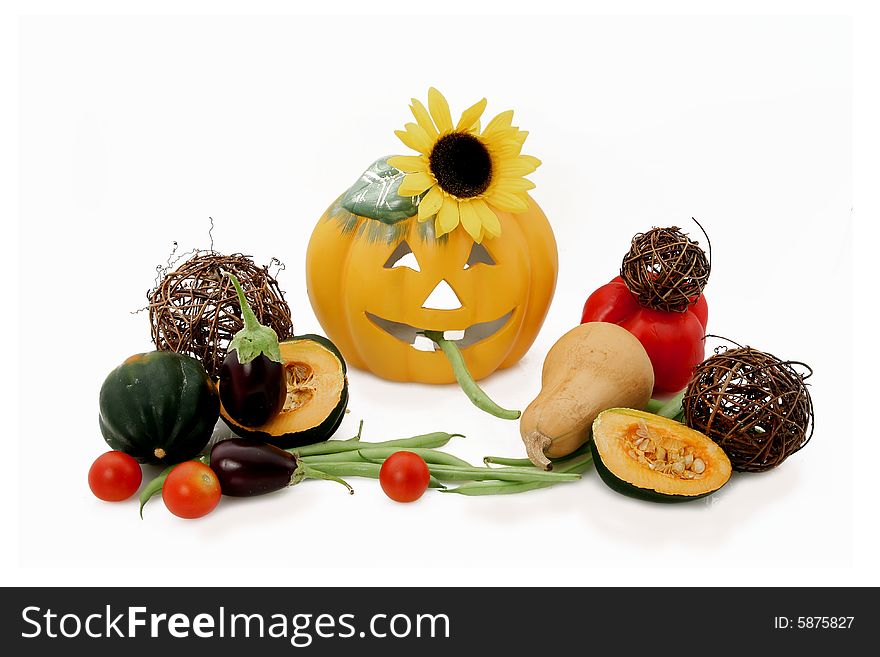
{"points": [[404, 476], [191, 490], [114, 476]]}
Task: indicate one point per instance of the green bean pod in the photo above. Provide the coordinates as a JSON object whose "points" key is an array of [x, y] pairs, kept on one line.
{"points": [[453, 473], [379, 454], [435, 439], [474, 392], [672, 408], [577, 465], [526, 463], [351, 456], [449, 473], [361, 469]]}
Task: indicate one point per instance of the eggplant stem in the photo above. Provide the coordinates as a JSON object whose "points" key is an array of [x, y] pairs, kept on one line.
{"points": [[251, 322], [314, 473]]}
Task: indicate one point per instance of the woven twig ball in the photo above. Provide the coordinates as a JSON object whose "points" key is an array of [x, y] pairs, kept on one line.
{"points": [[756, 406], [194, 309], [665, 269]]}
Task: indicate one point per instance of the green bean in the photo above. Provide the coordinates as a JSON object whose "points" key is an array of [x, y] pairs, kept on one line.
{"points": [[155, 486], [379, 454], [449, 473], [577, 465], [654, 405], [351, 456], [672, 408], [474, 392], [352, 469], [360, 469], [503, 460], [436, 439]]}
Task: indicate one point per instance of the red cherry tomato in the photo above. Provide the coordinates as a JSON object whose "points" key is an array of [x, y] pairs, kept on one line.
{"points": [[191, 490], [114, 476], [404, 476]]}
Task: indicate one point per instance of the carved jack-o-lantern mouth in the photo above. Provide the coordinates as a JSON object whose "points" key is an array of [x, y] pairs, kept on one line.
{"points": [[415, 337]]}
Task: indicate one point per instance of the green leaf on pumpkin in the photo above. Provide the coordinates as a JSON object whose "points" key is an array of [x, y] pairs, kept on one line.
{"points": [[374, 195]]}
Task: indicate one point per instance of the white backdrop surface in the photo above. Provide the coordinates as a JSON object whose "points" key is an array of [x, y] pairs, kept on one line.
{"points": [[133, 130]]}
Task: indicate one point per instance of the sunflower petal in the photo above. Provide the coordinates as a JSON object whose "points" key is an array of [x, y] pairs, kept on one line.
{"points": [[409, 163], [521, 165], [471, 115], [415, 183], [532, 159], [439, 110], [475, 128], [447, 217], [415, 138], [488, 219], [470, 220], [423, 118], [505, 149], [499, 123], [430, 203], [514, 185], [507, 201]]}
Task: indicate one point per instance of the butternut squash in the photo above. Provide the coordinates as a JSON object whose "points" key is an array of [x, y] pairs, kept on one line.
{"points": [[593, 367]]}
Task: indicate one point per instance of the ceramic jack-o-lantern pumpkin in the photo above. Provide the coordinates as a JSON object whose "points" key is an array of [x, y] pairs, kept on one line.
{"points": [[448, 241]]}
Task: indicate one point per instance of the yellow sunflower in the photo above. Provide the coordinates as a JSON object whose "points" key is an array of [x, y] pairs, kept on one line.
{"points": [[464, 174]]}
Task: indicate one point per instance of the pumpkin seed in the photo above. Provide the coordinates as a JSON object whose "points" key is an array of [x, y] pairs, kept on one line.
{"points": [[688, 459], [698, 466]]}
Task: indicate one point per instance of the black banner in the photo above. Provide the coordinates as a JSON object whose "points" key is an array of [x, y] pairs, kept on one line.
{"points": [[333, 621]]}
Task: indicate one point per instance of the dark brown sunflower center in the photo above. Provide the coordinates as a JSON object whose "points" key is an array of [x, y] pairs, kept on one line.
{"points": [[461, 164]]}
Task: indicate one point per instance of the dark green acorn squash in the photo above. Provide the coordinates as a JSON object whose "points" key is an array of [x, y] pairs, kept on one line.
{"points": [[653, 458], [317, 395], [159, 407]]}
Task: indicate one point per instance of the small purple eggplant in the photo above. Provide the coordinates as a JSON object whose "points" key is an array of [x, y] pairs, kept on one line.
{"points": [[253, 385], [254, 392], [246, 468]]}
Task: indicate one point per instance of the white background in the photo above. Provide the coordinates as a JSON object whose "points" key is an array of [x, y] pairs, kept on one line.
{"points": [[133, 130]]}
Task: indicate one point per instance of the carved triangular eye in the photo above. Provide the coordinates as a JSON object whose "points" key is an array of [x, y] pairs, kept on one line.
{"points": [[479, 255], [402, 257]]}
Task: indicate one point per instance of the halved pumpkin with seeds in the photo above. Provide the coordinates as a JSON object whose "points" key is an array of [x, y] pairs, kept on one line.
{"points": [[653, 458], [317, 395]]}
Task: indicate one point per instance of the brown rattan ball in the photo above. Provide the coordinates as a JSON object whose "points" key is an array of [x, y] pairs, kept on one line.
{"points": [[754, 405], [194, 308], [665, 269]]}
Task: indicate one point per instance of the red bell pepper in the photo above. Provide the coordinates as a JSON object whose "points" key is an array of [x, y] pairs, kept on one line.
{"points": [[674, 340]]}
